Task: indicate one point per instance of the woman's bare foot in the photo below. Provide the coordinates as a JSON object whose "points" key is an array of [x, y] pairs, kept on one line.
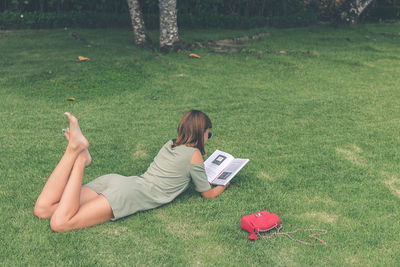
{"points": [[76, 140], [85, 155], [66, 133]]}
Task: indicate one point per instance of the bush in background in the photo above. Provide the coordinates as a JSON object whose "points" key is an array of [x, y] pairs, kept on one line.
{"points": [[87, 19], [49, 20], [233, 14]]}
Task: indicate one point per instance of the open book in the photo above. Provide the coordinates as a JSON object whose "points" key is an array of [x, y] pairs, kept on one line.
{"points": [[221, 167]]}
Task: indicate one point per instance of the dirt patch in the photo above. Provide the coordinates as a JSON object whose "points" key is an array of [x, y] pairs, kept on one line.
{"points": [[182, 227], [394, 185], [352, 261], [115, 231], [265, 176], [287, 256], [323, 216], [352, 155], [325, 200], [233, 42], [238, 45], [140, 153]]}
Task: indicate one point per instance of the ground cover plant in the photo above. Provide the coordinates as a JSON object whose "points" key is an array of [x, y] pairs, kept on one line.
{"points": [[319, 122]]}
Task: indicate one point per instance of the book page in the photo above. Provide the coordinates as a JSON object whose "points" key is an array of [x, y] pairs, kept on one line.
{"points": [[230, 171], [216, 163]]}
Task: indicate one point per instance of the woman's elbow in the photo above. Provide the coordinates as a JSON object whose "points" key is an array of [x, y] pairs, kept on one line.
{"points": [[209, 196]]}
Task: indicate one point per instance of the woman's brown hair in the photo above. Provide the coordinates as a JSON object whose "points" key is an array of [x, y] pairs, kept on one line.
{"points": [[191, 129]]}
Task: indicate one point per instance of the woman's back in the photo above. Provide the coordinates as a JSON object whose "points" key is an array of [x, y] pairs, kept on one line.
{"points": [[170, 169]]}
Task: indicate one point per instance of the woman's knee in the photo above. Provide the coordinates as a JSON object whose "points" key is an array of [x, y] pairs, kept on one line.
{"points": [[59, 224], [42, 211]]}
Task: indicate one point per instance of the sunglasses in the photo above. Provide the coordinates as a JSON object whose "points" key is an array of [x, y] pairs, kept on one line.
{"points": [[210, 135]]}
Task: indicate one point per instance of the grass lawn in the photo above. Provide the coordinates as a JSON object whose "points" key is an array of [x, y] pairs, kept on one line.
{"points": [[321, 130]]}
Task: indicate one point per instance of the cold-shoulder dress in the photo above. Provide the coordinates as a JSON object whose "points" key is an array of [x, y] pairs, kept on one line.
{"points": [[167, 176]]}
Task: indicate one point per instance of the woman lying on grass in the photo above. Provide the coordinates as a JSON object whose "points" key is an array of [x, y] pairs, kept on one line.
{"points": [[110, 197]]}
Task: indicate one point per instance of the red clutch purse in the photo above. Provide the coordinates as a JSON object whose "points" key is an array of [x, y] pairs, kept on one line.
{"points": [[260, 222], [264, 221]]}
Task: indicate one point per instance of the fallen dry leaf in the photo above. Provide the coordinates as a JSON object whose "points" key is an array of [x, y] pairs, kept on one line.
{"points": [[80, 58], [194, 55], [71, 99]]}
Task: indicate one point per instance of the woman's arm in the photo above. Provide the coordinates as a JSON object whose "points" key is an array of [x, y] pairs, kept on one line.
{"points": [[197, 158], [214, 192]]}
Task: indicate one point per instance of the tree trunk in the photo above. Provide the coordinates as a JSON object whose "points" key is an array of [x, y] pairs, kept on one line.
{"points": [[41, 5], [168, 25], [352, 9], [284, 8], [139, 30]]}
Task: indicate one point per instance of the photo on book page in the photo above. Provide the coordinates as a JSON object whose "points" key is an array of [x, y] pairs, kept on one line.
{"points": [[221, 167], [218, 160]]}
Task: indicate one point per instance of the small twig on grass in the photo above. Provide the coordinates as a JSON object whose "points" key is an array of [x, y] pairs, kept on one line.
{"points": [[233, 42], [238, 45]]}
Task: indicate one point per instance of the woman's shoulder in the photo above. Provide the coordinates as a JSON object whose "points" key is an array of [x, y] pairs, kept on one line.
{"points": [[197, 157]]}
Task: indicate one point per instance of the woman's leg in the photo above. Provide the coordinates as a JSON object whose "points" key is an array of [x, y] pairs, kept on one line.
{"points": [[70, 199], [48, 199], [96, 211], [70, 214], [87, 194]]}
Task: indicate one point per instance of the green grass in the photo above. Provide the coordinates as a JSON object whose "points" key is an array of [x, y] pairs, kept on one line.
{"points": [[320, 128]]}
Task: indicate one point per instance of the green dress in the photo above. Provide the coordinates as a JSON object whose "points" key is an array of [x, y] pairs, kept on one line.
{"points": [[168, 176]]}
